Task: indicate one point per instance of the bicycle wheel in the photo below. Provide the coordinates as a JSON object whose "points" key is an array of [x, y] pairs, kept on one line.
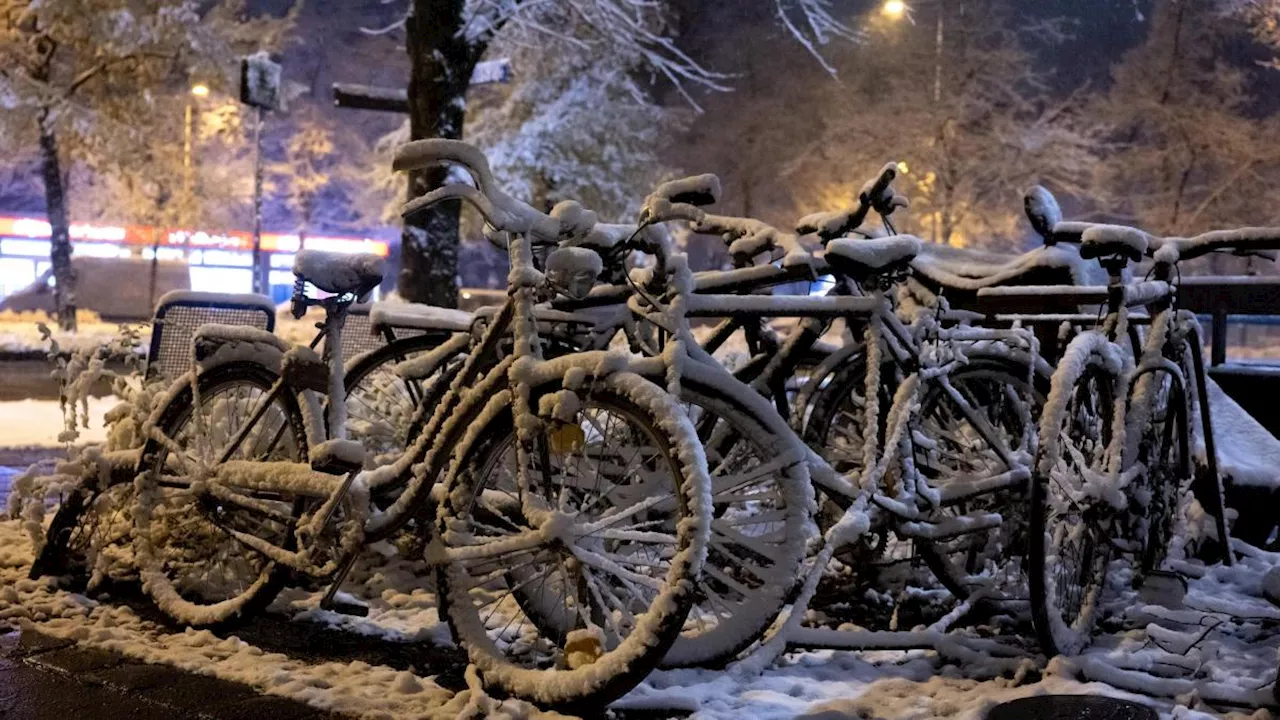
{"points": [[1160, 412], [1070, 527], [191, 567], [574, 620], [986, 401], [760, 522], [90, 525], [382, 403], [884, 580], [761, 512]]}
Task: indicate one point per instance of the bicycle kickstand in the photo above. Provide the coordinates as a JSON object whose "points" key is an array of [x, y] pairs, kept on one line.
{"points": [[330, 601]]}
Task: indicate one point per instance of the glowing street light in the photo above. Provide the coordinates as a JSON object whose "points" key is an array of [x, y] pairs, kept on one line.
{"points": [[894, 9], [200, 90]]}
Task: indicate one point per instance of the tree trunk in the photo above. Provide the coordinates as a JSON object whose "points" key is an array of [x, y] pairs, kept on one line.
{"points": [[64, 291], [442, 62]]}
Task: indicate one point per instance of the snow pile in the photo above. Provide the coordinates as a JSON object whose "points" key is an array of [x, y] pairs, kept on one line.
{"points": [[1248, 455], [885, 684], [355, 688]]}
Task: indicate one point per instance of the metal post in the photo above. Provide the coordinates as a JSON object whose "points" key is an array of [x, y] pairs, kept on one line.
{"points": [[259, 286], [155, 268], [186, 167], [937, 62], [1219, 348]]}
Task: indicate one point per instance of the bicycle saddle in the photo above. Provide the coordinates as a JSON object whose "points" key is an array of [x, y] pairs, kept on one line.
{"points": [[863, 257], [340, 273], [1113, 240]]}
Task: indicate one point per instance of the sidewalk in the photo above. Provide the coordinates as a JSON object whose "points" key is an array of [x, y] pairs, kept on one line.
{"points": [[42, 678]]}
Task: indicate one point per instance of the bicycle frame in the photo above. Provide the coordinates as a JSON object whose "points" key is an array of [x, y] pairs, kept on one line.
{"points": [[683, 300]]}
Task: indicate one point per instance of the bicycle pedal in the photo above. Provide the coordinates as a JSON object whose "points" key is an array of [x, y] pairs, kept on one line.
{"points": [[344, 604], [337, 457], [352, 609]]}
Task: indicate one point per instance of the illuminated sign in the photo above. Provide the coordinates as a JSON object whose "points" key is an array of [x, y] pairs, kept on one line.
{"points": [[31, 228], [20, 227]]}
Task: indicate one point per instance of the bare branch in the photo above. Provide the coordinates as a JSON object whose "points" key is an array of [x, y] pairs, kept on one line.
{"points": [[819, 26], [397, 25], [96, 70]]}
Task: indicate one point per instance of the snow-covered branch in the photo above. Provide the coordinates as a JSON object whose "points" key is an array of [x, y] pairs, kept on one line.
{"points": [[813, 25]]}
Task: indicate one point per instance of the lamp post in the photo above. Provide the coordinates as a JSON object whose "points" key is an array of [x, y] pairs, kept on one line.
{"points": [[897, 10], [199, 90]]}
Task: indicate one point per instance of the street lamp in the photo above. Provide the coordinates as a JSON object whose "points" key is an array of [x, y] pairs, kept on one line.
{"points": [[199, 90], [896, 10]]}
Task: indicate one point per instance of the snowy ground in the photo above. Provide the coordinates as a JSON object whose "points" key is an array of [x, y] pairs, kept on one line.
{"points": [[1234, 658], [37, 423], [1193, 653]]}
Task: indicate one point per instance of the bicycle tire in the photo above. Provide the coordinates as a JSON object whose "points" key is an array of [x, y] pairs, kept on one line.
{"points": [[54, 557], [1069, 544], [156, 582], [1161, 451], [614, 671], [788, 488], [89, 522]]}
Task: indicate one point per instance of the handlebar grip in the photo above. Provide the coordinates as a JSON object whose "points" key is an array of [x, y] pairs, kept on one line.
{"points": [[696, 190], [875, 190]]}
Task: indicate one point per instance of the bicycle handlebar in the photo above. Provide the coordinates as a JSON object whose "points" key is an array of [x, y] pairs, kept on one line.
{"points": [[503, 212], [680, 199], [875, 194], [1263, 242]]}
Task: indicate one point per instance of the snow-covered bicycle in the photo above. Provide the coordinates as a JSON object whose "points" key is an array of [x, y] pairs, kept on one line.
{"points": [[985, 384], [229, 502], [1114, 459], [899, 498]]}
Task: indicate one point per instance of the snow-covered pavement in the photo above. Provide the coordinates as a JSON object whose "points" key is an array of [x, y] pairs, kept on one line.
{"points": [[37, 423], [1192, 654], [1235, 654]]}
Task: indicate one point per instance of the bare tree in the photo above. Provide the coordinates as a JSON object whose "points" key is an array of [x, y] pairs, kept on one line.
{"points": [[1190, 155], [445, 40], [968, 145], [83, 71]]}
